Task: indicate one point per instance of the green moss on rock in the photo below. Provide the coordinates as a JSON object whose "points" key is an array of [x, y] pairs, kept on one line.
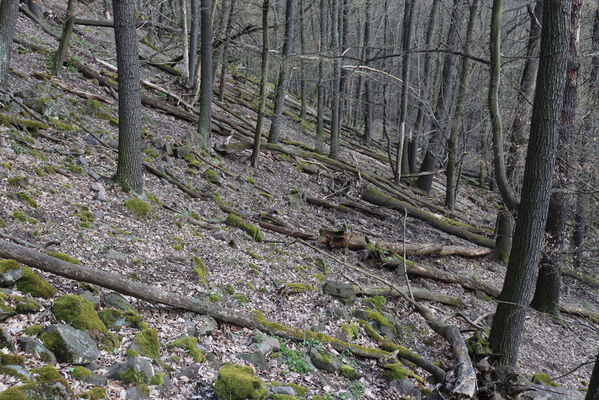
{"points": [[79, 313], [8, 264], [96, 393], [543, 379], [157, 379], [252, 230], [147, 344], [32, 284], [34, 330], [236, 382], [138, 207], [189, 344], [26, 305], [79, 372], [199, 269]]}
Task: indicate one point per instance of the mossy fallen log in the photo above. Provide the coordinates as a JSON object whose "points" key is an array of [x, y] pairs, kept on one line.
{"points": [[22, 123], [375, 197]]}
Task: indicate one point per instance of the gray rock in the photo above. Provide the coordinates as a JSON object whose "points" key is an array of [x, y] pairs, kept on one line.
{"points": [[89, 296], [544, 392], [33, 345], [17, 369], [116, 300], [343, 292], [6, 340], [192, 372], [257, 359], [404, 387], [5, 311], [205, 325], [135, 393], [92, 141], [115, 255], [181, 151], [295, 199], [338, 313], [101, 195], [95, 379], [141, 365], [266, 344], [72, 345], [49, 391], [10, 277], [220, 235], [287, 390], [324, 360]]}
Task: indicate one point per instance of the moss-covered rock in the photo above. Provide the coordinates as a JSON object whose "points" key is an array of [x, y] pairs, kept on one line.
{"points": [[236, 382], [252, 230], [190, 345], [79, 313], [64, 257], [146, 343], [115, 319], [349, 372], [199, 270], [26, 305], [96, 393], [32, 284], [543, 379], [34, 330], [478, 345], [80, 372], [138, 207]]}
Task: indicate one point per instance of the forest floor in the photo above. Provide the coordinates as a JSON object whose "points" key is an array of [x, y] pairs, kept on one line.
{"points": [[243, 274]]}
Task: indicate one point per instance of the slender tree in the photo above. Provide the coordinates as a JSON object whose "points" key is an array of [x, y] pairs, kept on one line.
{"points": [[281, 88], [193, 41], [593, 392], [186, 63], [335, 99], [303, 83], [368, 104], [506, 331], [224, 52], [8, 23], [65, 39], [206, 74], [319, 145], [263, 82], [129, 168]]}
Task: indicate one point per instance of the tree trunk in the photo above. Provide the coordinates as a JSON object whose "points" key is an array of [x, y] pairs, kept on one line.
{"points": [[193, 41], [206, 75], [368, 105], [281, 89], [225, 50], [452, 143], [319, 145], [186, 52], [263, 82], [506, 331], [9, 10], [507, 194], [303, 83], [65, 39], [593, 392], [335, 100], [443, 106], [129, 169], [546, 298], [517, 135]]}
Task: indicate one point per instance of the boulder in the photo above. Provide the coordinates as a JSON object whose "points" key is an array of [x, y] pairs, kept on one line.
{"points": [[236, 382], [135, 370], [52, 390], [324, 360], [69, 344], [33, 345], [6, 340], [343, 292], [116, 300]]}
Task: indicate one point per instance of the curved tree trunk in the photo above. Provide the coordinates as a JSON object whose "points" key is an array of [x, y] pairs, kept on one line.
{"points": [[547, 291], [281, 89], [506, 331], [8, 21], [129, 169]]}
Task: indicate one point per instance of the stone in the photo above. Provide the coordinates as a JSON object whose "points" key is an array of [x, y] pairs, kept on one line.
{"points": [[205, 325], [116, 300], [343, 292], [19, 370], [33, 345], [115, 255], [220, 235], [6, 340], [404, 387], [338, 313], [285, 390], [92, 141], [295, 199], [89, 296], [324, 360], [9, 277], [69, 344], [265, 344], [236, 382], [135, 370], [192, 371], [136, 393], [181, 151], [256, 358], [95, 379], [50, 390], [544, 392]]}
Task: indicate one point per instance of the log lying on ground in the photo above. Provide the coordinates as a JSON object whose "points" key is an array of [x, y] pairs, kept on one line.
{"points": [[343, 239], [419, 293], [348, 206], [375, 197], [153, 294]]}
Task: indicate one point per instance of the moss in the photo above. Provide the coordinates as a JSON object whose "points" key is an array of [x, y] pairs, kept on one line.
{"points": [[351, 330], [96, 393], [64, 257], [267, 196], [21, 216], [199, 269], [26, 305], [11, 359], [189, 344], [84, 214], [8, 120], [7, 265], [63, 126], [147, 343], [157, 379], [250, 181], [298, 287], [132, 353], [79, 313], [543, 379], [229, 289], [32, 284], [34, 330], [48, 373], [478, 345], [236, 382], [379, 318], [281, 397], [299, 390], [254, 255], [349, 372], [252, 230], [211, 176], [131, 376], [377, 301], [240, 298], [98, 110], [138, 207], [49, 169], [144, 389], [79, 372], [399, 371], [40, 172], [25, 198]]}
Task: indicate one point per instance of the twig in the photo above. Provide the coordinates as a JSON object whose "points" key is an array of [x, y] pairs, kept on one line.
{"points": [[574, 369]]}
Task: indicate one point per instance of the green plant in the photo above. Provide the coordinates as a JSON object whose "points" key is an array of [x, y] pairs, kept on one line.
{"points": [[296, 360]]}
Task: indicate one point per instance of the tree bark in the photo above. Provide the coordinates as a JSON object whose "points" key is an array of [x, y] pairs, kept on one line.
{"points": [[593, 392], [335, 100], [263, 83], [368, 105], [193, 41], [206, 75], [444, 100], [506, 331], [129, 169], [186, 63], [65, 39], [282, 83], [303, 83], [9, 10], [319, 145]]}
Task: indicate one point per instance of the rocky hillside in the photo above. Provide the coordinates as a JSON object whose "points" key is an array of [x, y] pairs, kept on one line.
{"points": [[297, 266]]}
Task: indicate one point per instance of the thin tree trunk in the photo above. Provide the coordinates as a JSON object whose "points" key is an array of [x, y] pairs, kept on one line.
{"points": [[225, 50], [452, 144], [281, 89], [186, 51], [444, 100], [319, 145], [65, 39], [547, 292], [593, 392], [206, 75], [193, 41], [129, 169], [506, 331], [303, 83], [368, 105], [263, 82], [344, 29], [9, 10], [335, 100]]}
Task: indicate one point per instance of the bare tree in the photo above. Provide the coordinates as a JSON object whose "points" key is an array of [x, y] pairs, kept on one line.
{"points": [[8, 23]]}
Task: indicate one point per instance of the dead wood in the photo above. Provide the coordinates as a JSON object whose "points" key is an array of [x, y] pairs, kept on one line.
{"points": [[153, 294], [419, 293], [64, 86], [373, 196]]}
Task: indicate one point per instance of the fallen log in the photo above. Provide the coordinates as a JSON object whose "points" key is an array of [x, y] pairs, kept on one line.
{"points": [[375, 197], [348, 240], [419, 293], [153, 294]]}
